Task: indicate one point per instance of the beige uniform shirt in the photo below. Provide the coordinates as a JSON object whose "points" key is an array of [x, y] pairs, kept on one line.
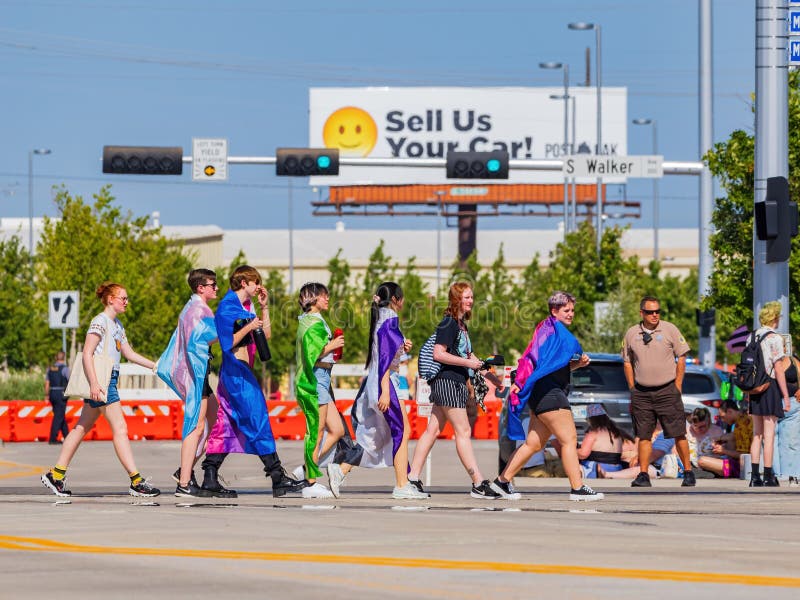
{"points": [[654, 363]]}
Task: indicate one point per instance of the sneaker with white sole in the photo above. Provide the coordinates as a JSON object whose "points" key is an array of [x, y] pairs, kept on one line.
{"points": [[418, 484], [408, 492], [299, 473], [144, 489], [335, 478], [57, 486], [505, 489], [484, 490], [585, 494], [317, 490]]}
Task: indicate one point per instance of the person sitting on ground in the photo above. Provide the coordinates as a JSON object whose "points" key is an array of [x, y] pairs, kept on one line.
{"points": [[728, 448], [701, 435], [602, 443], [661, 447]]}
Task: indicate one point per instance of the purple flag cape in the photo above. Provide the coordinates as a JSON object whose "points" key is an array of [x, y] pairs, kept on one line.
{"points": [[380, 433], [552, 347], [184, 363], [242, 420]]}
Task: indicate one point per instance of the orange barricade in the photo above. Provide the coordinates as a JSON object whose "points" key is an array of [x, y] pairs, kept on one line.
{"points": [[5, 421]]}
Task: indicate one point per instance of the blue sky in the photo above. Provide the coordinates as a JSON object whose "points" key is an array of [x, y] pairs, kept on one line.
{"points": [[78, 74]]}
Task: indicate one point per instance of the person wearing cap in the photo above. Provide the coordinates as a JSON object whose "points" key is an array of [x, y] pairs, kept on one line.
{"points": [[654, 361], [601, 447]]}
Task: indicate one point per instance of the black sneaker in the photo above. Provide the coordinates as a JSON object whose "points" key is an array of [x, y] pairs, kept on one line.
{"points": [[190, 491], [585, 494], [176, 477], [143, 489], [57, 486], [756, 482], [771, 481], [642, 480], [418, 484], [688, 479], [505, 489], [484, 490]]}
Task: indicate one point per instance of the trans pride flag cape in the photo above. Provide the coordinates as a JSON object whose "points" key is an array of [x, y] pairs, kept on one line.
{"points": [[183, 364], [551, 348], [242, 419], [380, 433]]}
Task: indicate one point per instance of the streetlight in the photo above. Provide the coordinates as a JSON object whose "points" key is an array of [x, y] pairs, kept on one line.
{"points": [[439, 195], [572, 224], [654, 124], [565, 68], [585, 27], [41, 151]]}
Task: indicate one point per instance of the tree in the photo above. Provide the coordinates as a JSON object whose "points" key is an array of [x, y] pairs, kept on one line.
{"points": [[22, 322], [91, 244]]}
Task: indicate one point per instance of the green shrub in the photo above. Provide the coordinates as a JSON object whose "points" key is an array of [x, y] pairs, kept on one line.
{"points": [[22, 386]]}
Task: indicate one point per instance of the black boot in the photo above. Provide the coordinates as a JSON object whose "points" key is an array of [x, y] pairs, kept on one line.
{"points": [[282, 484], [770, 480], [213, 487]]}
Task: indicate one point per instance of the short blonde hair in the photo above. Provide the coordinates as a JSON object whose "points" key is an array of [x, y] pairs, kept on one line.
{"points": [[770, 312]]}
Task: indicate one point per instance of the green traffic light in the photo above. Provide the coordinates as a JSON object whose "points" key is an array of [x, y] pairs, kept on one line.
{"points": [[493, 165], [323, 162]]}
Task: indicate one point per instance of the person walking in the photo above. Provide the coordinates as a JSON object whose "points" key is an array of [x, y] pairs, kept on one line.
{"points": [[105, 334], [242, 419], [770, 405], [654, 361], [184, 366], [450, 391], [55, 382], [542, 381]]}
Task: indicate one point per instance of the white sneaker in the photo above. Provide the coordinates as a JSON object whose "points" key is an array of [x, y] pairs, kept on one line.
{"points": [[317, 491], [299, 473], [335, 478], [408, 492]]}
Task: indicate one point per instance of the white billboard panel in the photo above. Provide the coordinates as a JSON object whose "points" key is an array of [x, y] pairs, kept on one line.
{"points": [[426, 122]]}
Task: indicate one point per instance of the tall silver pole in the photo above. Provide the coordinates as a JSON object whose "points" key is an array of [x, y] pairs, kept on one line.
{"points": [[291, 239], [655, 195], [30, 206], [599, 139], [770, 281], [574, 190], [566, 153], [706, 348], [439, 195]]}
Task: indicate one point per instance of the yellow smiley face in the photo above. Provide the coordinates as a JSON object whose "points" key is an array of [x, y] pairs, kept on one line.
{"points": [[352, 130]]}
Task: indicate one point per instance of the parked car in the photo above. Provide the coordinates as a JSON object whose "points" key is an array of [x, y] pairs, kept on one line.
{"points": [[602, 381]]}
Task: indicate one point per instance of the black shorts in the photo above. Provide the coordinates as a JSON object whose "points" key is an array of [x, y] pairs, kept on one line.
{"points": [[207, 391], [663, 403], [449, 393], [547, 396]]}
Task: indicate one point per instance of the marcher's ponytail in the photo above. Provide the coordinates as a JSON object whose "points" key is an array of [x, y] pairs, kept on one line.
{"points": [[382, 298]]}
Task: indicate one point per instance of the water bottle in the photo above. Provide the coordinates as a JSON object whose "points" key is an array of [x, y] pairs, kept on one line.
{"points": [[262, 347], [337, 354]]}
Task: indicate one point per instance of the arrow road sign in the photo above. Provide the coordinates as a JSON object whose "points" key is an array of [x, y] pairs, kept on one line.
{"points": [[63, 309]]}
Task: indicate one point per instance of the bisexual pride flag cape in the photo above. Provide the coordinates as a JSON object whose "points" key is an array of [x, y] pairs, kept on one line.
{"points": [[551, 348], [242, 420], [183, 364]]}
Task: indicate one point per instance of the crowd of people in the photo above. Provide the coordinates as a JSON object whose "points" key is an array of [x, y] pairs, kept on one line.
{"points": [[234, 417]]}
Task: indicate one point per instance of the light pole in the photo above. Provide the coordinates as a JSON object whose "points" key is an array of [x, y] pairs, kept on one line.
{"points": [[41, 151], [439, 195], [572, 223], [584, 27], [654, 128], [565, 68]]}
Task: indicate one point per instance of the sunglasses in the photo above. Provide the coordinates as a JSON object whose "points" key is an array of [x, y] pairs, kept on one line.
{"points": [[213, 284], [123, 299], [652, 312]]}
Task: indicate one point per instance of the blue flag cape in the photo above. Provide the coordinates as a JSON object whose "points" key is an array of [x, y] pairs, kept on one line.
{"points": [[552, 347]]}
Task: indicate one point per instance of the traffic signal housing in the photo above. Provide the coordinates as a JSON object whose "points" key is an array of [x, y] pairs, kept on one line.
{"points": [[776, 220], [304, 162], [477, 165], [143, 160]]}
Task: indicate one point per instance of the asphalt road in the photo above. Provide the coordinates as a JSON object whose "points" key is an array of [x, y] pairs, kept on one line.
{"points": [[719, 538]]}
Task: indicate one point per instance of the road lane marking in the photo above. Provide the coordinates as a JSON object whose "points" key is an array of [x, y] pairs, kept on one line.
{"points": [[27, 544], [26, 470]]}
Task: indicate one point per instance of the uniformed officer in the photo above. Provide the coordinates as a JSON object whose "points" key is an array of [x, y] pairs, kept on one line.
{"points": [[654, 355]]}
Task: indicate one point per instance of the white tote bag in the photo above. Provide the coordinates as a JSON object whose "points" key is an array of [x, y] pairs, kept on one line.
{"points": [[78, 384]]}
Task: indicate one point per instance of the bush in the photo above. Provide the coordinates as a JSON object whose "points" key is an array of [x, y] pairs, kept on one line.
{"points": [[22, 386]]}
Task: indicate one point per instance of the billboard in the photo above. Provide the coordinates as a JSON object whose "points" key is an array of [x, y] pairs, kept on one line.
{"points": [[426, 122]]}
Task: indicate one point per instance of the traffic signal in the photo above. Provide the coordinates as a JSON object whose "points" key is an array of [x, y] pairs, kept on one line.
{"points": [[776, 220], [303, 162], [143, 160], [477, 165], [706, 319]]}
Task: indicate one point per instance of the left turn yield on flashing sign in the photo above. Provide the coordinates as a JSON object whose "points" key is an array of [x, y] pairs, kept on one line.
{"points": [[209, 159]]}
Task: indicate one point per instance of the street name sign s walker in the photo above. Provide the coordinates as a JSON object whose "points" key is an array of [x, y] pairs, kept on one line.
{"points": [[209, 159], [593, 166]]}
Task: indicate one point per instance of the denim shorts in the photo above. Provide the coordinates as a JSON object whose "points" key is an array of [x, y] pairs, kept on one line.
{"points": [[112, 395], [323, 377]]}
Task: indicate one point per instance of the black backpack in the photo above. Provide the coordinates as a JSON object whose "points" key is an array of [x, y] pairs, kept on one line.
{"points": [[750, 374]]}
